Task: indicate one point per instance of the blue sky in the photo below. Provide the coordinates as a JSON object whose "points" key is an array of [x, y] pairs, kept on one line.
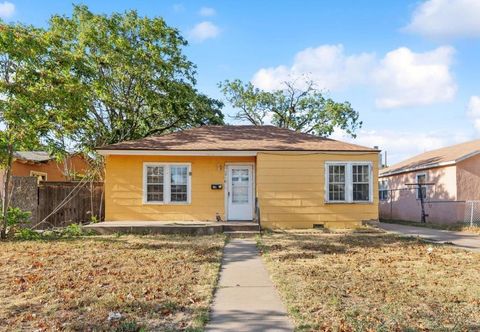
{"points": [[409, 67]]}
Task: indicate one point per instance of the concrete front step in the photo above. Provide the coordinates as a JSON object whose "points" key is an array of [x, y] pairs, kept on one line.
{"points": [[243, 228], [241, 234]]}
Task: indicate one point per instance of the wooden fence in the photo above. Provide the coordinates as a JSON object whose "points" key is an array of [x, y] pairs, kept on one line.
{"points": [[81, 203]]}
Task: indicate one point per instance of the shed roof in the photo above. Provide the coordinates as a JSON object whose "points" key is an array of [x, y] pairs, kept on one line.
{"points": [[236, 138], [449, 155], [32, 156]]}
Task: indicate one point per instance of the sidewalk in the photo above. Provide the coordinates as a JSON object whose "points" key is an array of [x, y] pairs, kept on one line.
{"points": [[245, 299], [460, 239]]}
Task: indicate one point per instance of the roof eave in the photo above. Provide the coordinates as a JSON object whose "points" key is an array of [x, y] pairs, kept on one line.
{"points": [[137, 152], [419, 168], [435, 165]]}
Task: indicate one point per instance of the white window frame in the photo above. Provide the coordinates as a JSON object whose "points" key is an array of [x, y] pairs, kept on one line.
{"points": [[417, 189], [349, 181], [167, 183]]}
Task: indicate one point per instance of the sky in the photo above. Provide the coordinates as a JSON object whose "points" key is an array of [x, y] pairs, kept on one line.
{"points": [[410, 68]]}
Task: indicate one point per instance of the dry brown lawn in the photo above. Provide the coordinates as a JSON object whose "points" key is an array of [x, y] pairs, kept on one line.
{"points": [[374, 282], [156, 282]]}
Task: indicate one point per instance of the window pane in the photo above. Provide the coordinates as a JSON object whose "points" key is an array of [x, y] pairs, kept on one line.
{"points": [[336, 187], [336, 192], [383, 194], [360, 192], [155, 183], [240, 185], [361, 182], [178, 183]]}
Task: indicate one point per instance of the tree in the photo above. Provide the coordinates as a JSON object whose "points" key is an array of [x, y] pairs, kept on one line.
{"points": [[137, 80], [301, 109], [40, 99]]}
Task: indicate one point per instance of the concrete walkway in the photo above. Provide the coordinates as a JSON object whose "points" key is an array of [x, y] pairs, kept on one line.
{"points": [[245, 299], [460, 239]]}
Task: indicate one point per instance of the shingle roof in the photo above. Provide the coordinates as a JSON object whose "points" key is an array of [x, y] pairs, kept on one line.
{"points": [[237, 138], [33, 156], [435, 158]]}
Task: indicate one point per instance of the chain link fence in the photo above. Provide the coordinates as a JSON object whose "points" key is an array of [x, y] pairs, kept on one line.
{"points": [[472, 213]]}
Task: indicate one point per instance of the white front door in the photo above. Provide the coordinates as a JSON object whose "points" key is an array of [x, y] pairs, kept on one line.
{"points": [[240, 192]]}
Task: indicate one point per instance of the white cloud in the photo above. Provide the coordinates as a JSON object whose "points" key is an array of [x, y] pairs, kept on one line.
{"points": [[207, 11], [6, 9], [474, 111], [203, 31], [446, 19], [327, 65], [404, 78], [398, 144]]}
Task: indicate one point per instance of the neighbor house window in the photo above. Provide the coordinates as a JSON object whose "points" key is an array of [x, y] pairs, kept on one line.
{"points": [[41, 176], [421, 193], [383, 190], [348, 182], [166, 183]]}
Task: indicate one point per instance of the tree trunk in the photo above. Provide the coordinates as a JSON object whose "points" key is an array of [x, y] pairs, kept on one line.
{"points": [[6, 190]]}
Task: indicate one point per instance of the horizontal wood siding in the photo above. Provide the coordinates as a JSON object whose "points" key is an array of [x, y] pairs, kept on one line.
{"points": [[124, 189], [291, 190]]}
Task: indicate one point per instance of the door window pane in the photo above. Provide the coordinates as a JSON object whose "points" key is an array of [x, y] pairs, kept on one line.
{"points": [[361, 182], [178, 183], [336, 187], [155, 183], [240, 184]]}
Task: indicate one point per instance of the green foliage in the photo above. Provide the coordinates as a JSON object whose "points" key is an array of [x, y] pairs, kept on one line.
{"points": [[42, 99], [136, 78], [73, 230], [17, 217], [27, 234], [301, 109], [94, 219], [70, 231]]}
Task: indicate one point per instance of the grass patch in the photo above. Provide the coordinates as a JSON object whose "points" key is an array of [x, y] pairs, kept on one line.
{"points": [[142, 282], [457, 227], [373, 282]]}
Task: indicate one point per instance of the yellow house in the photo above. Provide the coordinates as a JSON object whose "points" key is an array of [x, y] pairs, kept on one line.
{"points": [[277, 177]]}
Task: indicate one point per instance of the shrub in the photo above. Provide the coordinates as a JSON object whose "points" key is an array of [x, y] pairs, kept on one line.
{"points": [[16, 216], [72, 230], [27, 234]]}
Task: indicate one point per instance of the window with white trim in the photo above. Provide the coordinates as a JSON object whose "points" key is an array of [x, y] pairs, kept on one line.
{"points": [[348, 181], [166, 183]]}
